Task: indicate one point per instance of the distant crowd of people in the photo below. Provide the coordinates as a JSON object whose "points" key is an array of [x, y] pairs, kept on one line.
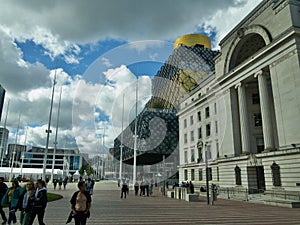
{"points": [[145, 188]]}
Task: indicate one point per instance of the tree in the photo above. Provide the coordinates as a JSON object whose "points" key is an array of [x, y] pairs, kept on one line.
{"points": [[81, 171], [89, 170]]}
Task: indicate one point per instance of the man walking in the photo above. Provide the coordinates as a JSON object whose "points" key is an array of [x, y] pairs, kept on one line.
{"points": [[3, 189]]}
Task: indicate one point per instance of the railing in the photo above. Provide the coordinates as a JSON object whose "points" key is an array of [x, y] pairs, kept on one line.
{"points": [[248, 194]]}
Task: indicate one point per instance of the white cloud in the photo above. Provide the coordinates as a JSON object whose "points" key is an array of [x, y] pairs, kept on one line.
{"points": [[106, 62], [59, 26]]}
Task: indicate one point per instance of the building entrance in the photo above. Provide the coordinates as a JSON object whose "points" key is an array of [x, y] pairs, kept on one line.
{"points": [[256, 179]]}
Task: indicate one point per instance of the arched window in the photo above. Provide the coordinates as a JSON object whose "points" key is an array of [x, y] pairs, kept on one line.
{"points": [[276, 175], [238, 178]]}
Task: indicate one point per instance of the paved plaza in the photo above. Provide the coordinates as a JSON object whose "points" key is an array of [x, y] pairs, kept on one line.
{"points": [[109, 208]]}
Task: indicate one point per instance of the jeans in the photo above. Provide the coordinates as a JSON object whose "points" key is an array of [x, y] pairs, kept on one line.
{"points": [[40, 212], [2, 213], [80, 218], [12, 215]]}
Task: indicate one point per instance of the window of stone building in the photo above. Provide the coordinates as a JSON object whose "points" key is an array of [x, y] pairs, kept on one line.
{"points": [[199, 115], [255, 98], [208, 150], [200, 174], [185, 138], [207, 112], [192, 155], [191, 120], [257, 120], [215, 105], [184, 123], [185, 157], [276, 175], [199, 155], [216, 126], [199, 95], [192, 136], [207, 130], [209, 171], [218, 174], [238, 178], [199, 133], [185, 175], [192, 174]]}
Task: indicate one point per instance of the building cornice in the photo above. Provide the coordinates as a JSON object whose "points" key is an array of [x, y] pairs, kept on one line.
{"points": [[238, 73]]}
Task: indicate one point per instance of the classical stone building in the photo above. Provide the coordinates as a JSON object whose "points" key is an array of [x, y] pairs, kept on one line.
{"points": [[246, 113]]}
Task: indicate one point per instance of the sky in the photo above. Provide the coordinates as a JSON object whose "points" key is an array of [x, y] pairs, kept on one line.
{"points": [[96, 50]]}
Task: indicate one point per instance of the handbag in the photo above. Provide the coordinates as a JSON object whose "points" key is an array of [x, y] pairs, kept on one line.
{"points": [[70, 217]]}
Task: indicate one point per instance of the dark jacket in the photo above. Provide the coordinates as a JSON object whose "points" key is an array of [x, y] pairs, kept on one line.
{"points": [[73, 199], [3, 189], [40, 198], [30, 201]]}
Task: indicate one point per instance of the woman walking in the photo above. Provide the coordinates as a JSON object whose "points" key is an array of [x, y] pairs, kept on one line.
{"points": [[39, 203], [81, 204], [11, 198], [26, 202]]}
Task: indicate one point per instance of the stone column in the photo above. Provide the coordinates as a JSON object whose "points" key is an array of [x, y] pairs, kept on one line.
{"points": [[265, 110], [244, 123]]}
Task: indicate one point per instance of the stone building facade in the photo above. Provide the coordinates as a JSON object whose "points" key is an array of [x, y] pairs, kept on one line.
{"points": [[246, 114]]}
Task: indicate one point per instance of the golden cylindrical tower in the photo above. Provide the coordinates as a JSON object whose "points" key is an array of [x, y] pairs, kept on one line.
{"points": [[191, 40]]}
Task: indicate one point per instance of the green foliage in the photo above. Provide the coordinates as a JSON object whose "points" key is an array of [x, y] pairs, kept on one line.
{"points": [[81, 171], [89, 170]]}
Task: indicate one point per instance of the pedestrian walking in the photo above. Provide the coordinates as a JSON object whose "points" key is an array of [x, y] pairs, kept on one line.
{"points": [[54, 183], [142, 188], [136, 188], [60, 182], [90, 186], [3, 189], [124, 189], [81, 204], [11, 198], [39, 203], [26, 203], [65, 182]]}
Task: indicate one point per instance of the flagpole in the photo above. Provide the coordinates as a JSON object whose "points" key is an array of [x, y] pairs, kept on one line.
{"points": [[56, 132], [121, 146], [48, 131], [15, 149], [23, 153]]}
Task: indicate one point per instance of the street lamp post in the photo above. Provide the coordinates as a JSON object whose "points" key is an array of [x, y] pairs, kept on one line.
{"points": [[121, 146], [55, 140], [135, 135], [48, 131]]}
